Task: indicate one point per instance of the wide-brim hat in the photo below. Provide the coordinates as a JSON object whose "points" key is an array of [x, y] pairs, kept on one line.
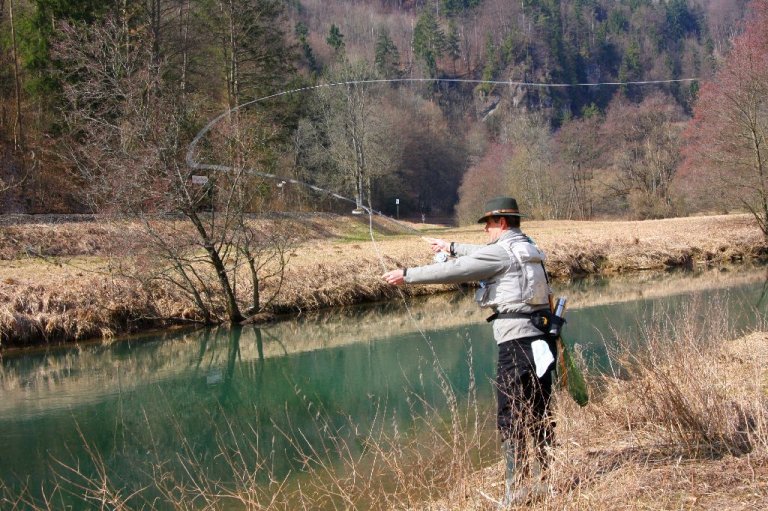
{"points": [[500, 206]]}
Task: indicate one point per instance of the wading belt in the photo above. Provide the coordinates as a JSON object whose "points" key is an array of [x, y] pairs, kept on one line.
{"points": [[541, 319], [508, 315]]}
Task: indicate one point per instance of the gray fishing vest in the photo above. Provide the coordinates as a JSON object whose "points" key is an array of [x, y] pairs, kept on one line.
{"points": [[523, 287]]}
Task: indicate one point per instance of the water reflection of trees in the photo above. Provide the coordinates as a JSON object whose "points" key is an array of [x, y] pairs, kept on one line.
{"points": [[763, 293], [89, 373]]}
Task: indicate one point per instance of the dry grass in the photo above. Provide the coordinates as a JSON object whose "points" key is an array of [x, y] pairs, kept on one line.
{"points": [[685, 427], [339, 273], [682, 425], [58, 281]]}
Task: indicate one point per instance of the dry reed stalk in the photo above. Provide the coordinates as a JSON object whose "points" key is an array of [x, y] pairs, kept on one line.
{"points": [[77, 291], [627, 450]]}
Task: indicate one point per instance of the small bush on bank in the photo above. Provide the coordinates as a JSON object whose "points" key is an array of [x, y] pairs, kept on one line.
{"points": [[688, 388]]}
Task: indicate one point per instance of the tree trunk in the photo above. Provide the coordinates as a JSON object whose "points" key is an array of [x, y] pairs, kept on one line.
{"points": [[184, 23], [234, 73], [233, 310], [255, 283], [2, 16], [761, 215], [126, 31], [18, 134], [155, 24]]}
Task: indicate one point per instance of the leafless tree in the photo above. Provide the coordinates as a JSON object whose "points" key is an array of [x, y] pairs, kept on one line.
{"points": [[128, 141], [643, 141], [728, 138], [578, 153], [529, 170], [356, 131]]}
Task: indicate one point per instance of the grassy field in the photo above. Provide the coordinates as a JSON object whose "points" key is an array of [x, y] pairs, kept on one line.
{"points": [[63, 281]]}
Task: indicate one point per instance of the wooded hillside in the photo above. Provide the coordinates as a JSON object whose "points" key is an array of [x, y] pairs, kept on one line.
{"points": [[99, 102]]}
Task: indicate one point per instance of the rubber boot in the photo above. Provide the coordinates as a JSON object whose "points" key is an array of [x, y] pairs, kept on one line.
{"points": [[539, 487], [513, 493]]}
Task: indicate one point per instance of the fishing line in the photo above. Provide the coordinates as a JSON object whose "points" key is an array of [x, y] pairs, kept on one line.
{"points": [[194, 164], [441, 373], [193, 145]]}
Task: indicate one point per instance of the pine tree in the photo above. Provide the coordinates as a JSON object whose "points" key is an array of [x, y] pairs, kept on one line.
{"points": [[428, 41], [302, 32], [335, 38], [38, 31], [455, 7], [256, 57], [387, 58], [453, 43]]}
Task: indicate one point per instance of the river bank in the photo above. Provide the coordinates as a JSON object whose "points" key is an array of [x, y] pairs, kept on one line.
{"points": [[684, 428], [664, 437], [64, 280]]}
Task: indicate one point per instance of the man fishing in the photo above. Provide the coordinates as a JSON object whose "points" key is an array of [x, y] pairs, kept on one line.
{"points": [[513, 283]]}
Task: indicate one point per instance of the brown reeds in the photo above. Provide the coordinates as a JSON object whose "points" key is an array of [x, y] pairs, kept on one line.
{"points": [[688, 388], [72, 280], [686, 398], [681, 423]]}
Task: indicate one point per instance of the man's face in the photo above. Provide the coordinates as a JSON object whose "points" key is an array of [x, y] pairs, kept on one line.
{"points": [[494, 227]]}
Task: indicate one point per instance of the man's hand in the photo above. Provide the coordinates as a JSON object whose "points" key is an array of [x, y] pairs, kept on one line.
{"points": [[394, 277], [437, 245]]}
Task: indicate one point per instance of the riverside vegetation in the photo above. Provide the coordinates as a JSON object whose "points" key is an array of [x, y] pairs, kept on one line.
{"points": [[680, 423], [77, 278], [684, 426]]}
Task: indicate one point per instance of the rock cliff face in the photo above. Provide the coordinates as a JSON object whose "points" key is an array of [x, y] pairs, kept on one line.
{"points": [[487, 105]]}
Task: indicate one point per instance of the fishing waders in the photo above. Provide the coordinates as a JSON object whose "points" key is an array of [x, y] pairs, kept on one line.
{"points": [[525, 423], [513, 492]]}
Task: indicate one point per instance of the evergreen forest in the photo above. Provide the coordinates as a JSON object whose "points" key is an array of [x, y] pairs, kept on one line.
{"points": [[581, 109]]}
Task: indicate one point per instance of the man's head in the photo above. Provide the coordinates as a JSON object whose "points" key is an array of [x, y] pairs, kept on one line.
{"points": [[500, 214]]}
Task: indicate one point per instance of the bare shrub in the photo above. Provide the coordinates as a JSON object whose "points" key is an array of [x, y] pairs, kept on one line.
{"points": [[679, 389]]}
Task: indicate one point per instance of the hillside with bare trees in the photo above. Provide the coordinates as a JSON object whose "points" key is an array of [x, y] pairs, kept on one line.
{"points": [[576, 107]]}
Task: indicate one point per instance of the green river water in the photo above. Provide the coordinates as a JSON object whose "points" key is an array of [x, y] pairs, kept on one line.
{"points": [[140, 403]]}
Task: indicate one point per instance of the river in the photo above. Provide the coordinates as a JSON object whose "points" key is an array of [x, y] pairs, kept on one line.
{"points": [[261, 399]]}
